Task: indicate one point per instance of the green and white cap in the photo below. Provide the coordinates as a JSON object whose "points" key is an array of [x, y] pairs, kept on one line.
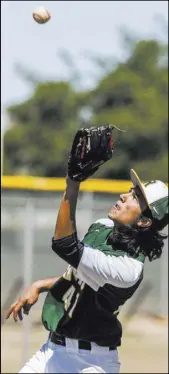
{"points": [[154, 197]]}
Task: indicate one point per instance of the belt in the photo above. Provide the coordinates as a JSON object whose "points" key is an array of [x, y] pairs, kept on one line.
{"points": [[82, 344]]}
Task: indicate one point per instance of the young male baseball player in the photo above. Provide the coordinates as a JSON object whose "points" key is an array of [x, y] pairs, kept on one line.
{"points": [[104, 269]]}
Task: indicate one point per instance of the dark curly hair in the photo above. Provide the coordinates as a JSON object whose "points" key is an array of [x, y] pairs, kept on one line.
{"points": [[138, 240]]}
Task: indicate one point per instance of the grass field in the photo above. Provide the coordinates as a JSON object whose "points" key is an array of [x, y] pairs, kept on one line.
{"points": [[144, 348]]}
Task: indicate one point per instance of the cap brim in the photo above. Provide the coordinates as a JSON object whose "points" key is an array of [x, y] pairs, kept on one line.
{"points": [[137, 183]]}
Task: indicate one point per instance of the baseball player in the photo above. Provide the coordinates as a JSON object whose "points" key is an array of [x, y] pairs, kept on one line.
{"points": [[104, 269]]}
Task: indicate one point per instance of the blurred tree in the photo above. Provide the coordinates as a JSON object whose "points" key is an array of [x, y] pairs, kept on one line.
{"points": [[133, 96], [41, 130]]}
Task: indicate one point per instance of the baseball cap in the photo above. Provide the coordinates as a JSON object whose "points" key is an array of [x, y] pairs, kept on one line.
{"points": [[154, 198]]}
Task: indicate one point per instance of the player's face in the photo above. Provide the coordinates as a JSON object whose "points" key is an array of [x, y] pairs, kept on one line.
{"points": [[127, 209]]}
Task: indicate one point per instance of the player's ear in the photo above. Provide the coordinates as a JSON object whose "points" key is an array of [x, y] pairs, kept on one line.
{"points": [[144, 221]]}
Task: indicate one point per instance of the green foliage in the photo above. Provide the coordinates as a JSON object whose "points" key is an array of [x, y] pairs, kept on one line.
{"points": [[40, 136], [133, 96]]}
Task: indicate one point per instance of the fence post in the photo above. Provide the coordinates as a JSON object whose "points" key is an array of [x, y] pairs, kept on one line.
{"points": [[27, 269], [164, 280], [87, 206]]}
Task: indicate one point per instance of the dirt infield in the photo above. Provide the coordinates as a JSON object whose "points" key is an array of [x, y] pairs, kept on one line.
{"points": [[144, 348]]}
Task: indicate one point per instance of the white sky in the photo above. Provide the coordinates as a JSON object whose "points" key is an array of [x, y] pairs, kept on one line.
{"points": [[76, 26]]}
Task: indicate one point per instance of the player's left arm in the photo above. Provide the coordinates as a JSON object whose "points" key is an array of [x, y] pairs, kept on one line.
{"points": [[66, 219], [65, 241], [90, 149]]}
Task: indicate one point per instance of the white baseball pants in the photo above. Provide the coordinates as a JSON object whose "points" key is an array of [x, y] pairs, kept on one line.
{"points": [[53, 358]]}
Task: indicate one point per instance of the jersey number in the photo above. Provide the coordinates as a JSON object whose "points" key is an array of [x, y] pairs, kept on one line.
{"points": [[68, 298]]}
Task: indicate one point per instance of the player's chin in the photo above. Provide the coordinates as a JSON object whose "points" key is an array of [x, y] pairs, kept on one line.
{"points": [[113, 214]]}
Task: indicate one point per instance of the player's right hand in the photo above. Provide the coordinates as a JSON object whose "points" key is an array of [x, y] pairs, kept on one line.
{"points": [[24, 303]]}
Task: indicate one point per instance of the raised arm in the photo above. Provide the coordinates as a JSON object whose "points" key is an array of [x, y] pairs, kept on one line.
{"points": [[65, 241], [66, 221], [90, 149]]}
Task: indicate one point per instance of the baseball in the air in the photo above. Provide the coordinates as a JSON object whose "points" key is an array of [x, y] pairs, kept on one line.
{"points": [[41, 15]]}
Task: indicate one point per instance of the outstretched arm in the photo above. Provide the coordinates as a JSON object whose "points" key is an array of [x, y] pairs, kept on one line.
{"points": [[29, 298]]}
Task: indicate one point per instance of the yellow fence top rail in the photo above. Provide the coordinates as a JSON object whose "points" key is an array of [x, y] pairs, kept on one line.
{"points": [[58, 184]]}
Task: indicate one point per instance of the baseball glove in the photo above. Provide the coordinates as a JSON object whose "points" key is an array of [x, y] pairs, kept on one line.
{"points": [[91, 148]]}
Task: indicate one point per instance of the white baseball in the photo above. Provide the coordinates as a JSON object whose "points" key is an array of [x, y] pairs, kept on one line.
{"points": [[41, 15]]}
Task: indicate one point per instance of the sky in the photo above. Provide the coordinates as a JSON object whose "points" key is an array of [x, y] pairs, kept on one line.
{"points": [[77, 26]]}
